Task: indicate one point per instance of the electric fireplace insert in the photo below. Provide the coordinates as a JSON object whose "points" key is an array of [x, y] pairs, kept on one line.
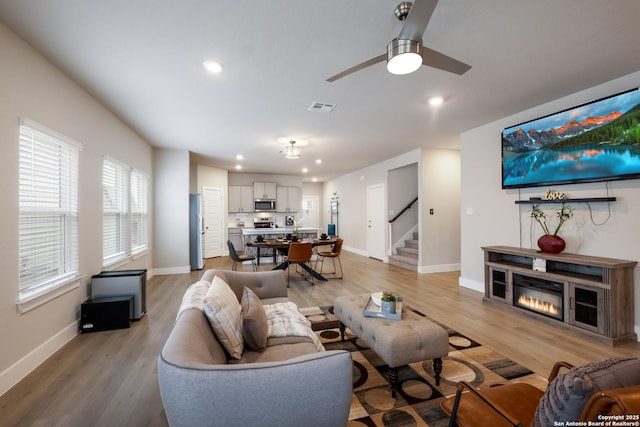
{"points": [[538, 295]]}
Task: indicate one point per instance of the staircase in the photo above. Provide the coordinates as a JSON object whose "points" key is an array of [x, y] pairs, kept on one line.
{"points": [[407, 256]]}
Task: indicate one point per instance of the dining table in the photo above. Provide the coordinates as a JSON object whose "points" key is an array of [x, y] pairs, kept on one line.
{"points": [[282, 246]]}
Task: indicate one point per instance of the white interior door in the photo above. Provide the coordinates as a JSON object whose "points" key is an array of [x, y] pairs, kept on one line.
{"points": [[212, 217], [376, 221], [311, 212]]}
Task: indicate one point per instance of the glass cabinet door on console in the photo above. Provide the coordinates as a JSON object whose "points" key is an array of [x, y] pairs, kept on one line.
{"points": [[586, 306], [499, 289]]}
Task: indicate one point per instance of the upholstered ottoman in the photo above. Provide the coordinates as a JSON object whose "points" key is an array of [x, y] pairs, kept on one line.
{"points": [[397, 342]]}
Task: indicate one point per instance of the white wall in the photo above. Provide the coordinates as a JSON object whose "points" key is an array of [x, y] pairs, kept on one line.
{"points": [[171, 207], [494, 218], [31, 87], [438, 188], [351, 190], [440, 191]]}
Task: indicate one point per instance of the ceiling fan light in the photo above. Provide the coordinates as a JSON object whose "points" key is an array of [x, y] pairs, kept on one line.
{"points": [[404, 56]]}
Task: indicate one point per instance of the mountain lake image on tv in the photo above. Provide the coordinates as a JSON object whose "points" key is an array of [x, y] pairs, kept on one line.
{"points": [[597, 141]]}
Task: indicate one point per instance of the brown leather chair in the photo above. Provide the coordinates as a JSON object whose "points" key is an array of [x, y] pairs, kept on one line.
{"points": [[519, 404], [505, 405], [299, 253], [618, 401], [335, 252]]}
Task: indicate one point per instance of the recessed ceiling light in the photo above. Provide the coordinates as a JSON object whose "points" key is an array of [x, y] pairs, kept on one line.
{"points": [[318, 161], [305, 170], [238, 167], [239, 157], [436, 100], [213, 67], [314, 179]]}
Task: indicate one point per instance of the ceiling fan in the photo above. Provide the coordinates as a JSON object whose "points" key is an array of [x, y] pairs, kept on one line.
{"points": [[406, 53]]}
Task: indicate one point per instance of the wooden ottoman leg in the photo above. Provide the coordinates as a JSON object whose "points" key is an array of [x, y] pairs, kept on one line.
{"points": [[437, 368], [393, 377]]}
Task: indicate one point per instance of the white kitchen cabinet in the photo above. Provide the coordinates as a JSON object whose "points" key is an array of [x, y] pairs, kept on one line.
{"points": [[240, 198], [264, 190], [288, 199]]}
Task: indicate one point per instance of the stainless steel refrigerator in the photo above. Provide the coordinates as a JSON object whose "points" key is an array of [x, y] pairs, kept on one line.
{"points": [[196, 232]]}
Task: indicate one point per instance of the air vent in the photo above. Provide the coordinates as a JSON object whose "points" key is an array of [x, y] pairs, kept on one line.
{"points": [[321, 107]]}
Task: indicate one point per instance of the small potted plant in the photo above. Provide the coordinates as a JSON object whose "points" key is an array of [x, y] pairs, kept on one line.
{"points": [[551, 243], [388, 302]]}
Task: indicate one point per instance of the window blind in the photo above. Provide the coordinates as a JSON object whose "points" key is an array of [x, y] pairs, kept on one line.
{"points": [[115, 210], [139, 211], [48, 209]]}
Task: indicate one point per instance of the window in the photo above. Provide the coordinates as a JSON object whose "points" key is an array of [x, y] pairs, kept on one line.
{"points": [[125, 211], [115, 211], [139, 213], [48, 210]]}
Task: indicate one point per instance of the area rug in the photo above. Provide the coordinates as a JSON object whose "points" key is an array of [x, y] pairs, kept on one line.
{"points": [[418, 399]]}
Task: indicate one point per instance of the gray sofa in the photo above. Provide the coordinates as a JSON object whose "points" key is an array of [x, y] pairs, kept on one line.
{"points": [[288, 384]]}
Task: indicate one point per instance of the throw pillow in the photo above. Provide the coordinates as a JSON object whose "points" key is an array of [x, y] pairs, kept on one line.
{"points": [[224, 314], [254, 321], [567, 394]]}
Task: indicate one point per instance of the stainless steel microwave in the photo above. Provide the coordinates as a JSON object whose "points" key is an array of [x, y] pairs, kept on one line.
{"points": [[264, 205]]}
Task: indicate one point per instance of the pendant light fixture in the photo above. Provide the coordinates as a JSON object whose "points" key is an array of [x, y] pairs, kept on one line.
{"points": [[292, 152]]}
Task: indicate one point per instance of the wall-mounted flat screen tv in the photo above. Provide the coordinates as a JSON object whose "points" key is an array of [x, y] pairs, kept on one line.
{"points": [[597, 141]]}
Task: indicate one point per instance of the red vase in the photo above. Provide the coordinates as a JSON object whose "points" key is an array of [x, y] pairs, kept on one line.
{"points": [[551, 244]]}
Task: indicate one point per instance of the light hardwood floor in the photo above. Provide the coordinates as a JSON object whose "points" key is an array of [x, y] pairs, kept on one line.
{"points": [[110, 378]]}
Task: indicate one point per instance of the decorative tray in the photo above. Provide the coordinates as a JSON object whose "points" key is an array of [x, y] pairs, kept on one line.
{"points": [[372, 310]]}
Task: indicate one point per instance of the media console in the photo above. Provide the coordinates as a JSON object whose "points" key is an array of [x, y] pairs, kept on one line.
{"points": [[591, 296]]}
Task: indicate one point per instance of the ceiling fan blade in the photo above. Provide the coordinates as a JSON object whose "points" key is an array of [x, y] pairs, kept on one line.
{"points": [[358, 67], [417, 20], [432, 58]]}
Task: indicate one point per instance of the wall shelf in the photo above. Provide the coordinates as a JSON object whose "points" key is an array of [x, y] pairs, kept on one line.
{"points": [[576, 200]]}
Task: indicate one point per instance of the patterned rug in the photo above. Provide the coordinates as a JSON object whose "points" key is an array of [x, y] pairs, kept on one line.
{"points": [[418, 399]]}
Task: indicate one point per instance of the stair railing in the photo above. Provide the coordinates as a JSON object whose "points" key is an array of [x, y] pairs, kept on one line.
{"points": [[406, 208], [392, 220]]}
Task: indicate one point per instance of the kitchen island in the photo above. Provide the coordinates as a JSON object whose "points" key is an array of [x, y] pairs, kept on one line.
{"points": [[278, 232], [274, 233]]}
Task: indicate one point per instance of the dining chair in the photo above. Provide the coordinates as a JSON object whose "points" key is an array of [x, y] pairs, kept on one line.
{"points": [[334, 254], [299, 253], [240, 257]]}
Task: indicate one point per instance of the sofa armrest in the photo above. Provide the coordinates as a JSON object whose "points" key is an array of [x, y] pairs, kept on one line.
{"points": [[314, 387], [618, 401]]}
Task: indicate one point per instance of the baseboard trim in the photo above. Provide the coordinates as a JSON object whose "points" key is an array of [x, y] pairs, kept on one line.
{"points": [[443, 268], [355, 251], [16, 372], [171, 270], [471, 284]]}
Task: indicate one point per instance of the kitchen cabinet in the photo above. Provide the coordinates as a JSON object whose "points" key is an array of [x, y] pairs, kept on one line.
{"points": [[240, 198], [288, 199], [264, 190], [235, 236]]}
